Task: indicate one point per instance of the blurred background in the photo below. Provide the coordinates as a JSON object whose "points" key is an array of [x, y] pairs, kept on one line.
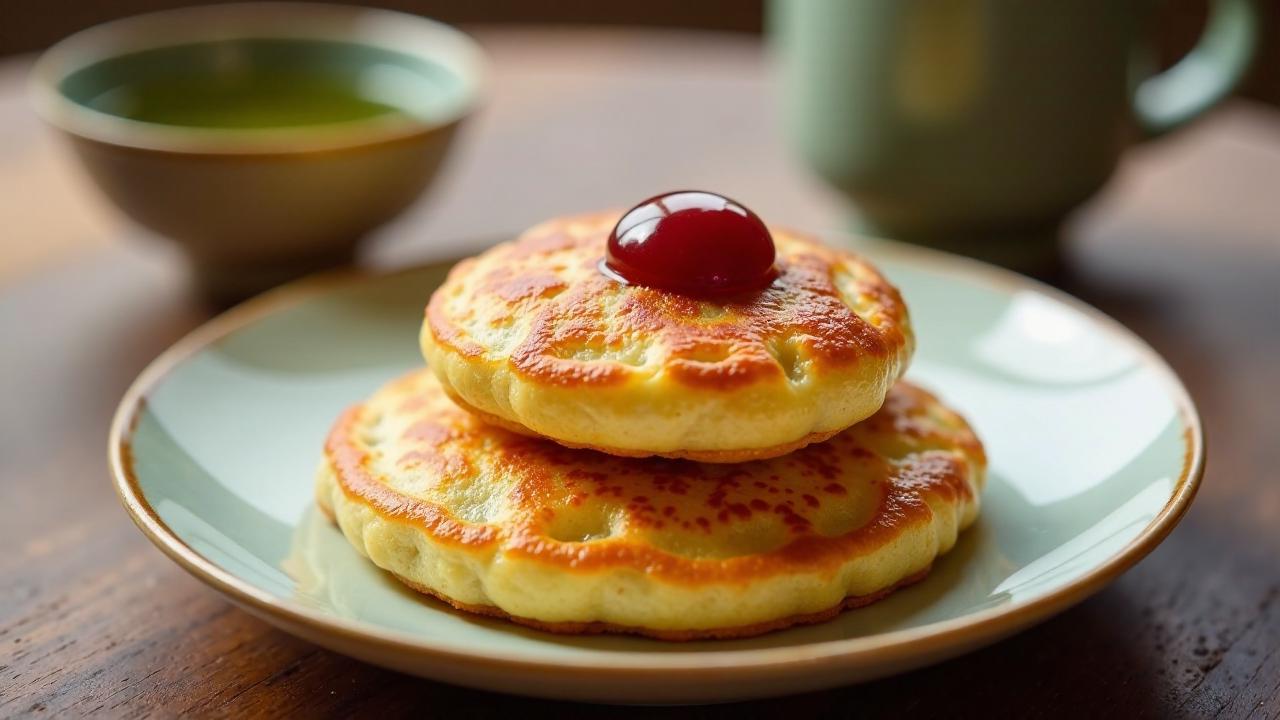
{"points": [[51, 202], [29, 27], [600, 104]]}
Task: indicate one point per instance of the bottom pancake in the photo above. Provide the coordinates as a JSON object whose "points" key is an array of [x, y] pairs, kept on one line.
{"points": [[580, 542], [725, 633], [601, 628]]}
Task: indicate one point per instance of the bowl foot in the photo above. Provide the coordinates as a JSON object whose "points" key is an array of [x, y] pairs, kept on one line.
{"points": [[224, 285]]}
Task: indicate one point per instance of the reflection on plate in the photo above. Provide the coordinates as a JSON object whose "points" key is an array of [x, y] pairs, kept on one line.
{"points": [[1095, 454]]}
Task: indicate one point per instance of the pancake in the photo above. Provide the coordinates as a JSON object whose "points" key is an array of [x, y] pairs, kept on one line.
{"points": [[532, 336], [576, 541]]}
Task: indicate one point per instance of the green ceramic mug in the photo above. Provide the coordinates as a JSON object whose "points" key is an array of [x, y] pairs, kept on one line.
{"points": [[977, 125]]}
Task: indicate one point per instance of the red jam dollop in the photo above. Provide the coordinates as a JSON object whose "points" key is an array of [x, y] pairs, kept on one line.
{"points": [[692, 243]]}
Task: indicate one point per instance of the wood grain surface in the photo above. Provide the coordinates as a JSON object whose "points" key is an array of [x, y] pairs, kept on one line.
{"points": [[1183, 247]]}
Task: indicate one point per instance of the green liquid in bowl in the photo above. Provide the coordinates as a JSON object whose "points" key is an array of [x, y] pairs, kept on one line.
{"points": [[261, 99], [263, 83]]}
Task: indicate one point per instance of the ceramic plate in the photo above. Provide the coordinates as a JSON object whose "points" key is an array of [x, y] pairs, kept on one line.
{"points": [[1095, 448]]}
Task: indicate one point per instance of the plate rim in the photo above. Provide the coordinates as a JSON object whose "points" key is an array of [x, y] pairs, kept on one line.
{"points": [[936, 639]]}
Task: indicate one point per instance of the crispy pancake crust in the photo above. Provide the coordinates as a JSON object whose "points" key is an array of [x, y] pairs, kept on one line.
{"points": [[725, 633], [707, 456], [531, 332], [584, 541]]}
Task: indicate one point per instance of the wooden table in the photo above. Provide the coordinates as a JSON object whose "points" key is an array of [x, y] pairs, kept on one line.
{"points": [[1183, 247]]}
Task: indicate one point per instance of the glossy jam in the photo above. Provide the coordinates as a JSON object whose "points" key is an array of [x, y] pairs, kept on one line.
{"points": [[693, 243]]}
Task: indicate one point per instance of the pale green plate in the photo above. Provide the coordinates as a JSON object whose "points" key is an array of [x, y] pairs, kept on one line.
{"points": [[1095, 448]]}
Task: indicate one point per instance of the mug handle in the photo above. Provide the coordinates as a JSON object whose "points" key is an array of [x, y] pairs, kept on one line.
{"points": [[1170, 99]]}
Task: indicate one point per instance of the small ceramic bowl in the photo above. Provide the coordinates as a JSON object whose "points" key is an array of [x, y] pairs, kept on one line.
{"points": [[255, 206]]}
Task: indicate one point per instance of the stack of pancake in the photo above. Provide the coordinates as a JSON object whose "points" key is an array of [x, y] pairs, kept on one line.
{"points": [[583, 455]]}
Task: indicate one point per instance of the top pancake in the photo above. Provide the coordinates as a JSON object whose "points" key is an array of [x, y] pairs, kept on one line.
{"points": [[530, 335]]}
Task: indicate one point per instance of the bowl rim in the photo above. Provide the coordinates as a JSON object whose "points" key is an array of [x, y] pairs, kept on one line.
{"points": [[890, 649], [404, 33]]}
